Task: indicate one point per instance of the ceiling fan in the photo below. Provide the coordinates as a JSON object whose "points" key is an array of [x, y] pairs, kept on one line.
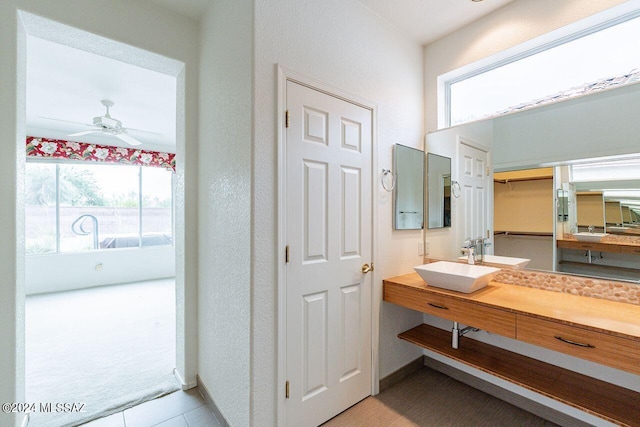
{"points": [[107, 125]]}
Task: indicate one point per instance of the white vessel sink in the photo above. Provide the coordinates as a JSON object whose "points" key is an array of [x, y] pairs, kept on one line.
{"points": [[502, 261], [589, 237], [456, 276], [617, 229]]}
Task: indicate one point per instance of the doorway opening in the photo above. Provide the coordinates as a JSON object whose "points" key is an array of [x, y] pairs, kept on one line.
{"points": [[101, 307]]}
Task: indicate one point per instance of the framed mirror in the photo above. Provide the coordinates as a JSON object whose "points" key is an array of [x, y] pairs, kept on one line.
{"points": [[409, 190], [438, 191]]}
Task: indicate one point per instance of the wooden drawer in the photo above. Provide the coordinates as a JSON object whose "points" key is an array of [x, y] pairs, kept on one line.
{"points": [[628, 249], [602, 348], [468, 313]]}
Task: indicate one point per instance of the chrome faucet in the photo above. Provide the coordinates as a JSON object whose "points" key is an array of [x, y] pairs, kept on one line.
{"points": [[481, 244], [474, 249], [591, 228], [469, 250]]}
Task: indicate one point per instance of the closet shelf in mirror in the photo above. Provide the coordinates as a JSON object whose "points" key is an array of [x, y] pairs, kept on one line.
{"points": [[523, 175], [506, 181], [524, 233]]}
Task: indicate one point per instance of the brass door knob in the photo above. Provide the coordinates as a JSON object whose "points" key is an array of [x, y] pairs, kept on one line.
{"points": [[366, 268]]}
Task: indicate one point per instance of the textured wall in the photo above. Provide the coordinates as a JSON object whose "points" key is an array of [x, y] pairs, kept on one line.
{"points": [[12, 97], [224, 215], [134, 23], [341, 43]]}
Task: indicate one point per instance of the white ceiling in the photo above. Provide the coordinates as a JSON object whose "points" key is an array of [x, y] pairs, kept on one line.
{"points": [[68, 84], [422, 20]]}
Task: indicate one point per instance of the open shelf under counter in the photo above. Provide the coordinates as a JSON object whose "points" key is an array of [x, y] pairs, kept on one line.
{"points": [[608, 401], [602, 331]]}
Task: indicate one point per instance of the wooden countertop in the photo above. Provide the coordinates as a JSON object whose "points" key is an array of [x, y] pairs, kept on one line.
{"points": [[607, 241], [609, 317]]}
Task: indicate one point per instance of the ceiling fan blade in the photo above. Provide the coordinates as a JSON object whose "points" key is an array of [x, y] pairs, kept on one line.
{"points": [[128, 139], [144, 131], [86, 132]]}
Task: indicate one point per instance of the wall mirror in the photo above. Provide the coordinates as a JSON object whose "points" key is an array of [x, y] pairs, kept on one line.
{"points": [[438, 191], [586, 132], [409, 189], [598, 196]]}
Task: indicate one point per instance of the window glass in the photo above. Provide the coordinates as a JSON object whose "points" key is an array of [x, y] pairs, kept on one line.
{"points": [[566, 70], [40, 208], [98, 207], [157, 219], [101, 206]]}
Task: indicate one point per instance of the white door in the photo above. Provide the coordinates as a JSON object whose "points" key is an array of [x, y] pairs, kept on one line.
{"points": [[328, 231], [474, 181]]}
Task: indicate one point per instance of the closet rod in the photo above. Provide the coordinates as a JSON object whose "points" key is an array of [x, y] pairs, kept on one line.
{"points": [[524, 233]]}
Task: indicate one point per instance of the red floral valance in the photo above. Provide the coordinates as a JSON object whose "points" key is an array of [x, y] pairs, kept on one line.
{"points": [[61, 149]]}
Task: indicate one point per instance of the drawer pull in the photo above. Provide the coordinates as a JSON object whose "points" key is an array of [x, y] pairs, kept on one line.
{"points": [[579, 344], [441, 307]]}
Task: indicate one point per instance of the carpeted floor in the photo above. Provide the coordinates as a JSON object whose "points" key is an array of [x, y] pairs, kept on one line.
{"points": [[108, 348], [429, 398]]}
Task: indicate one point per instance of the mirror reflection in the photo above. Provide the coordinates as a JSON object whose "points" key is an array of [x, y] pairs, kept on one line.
{"points": [[523, 216], [590, 213], [438, 191], [409, 189], [574, 138]]}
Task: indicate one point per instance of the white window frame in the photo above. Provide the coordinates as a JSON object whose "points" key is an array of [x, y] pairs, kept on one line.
{"points": [[574, 31]]}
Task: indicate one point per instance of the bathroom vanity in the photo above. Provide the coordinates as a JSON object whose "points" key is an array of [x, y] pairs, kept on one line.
{"points": [[603, 331]]}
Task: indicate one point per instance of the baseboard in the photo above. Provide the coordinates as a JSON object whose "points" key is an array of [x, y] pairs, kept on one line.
{"points": [[210, 403], [400, 374], [514, 399], [183, 384]]}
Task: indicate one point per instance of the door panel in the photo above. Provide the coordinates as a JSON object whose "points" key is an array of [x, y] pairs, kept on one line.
{"points": [[329, 227], [351, 208], [350, 326], [474, 181], [315, 344], [315, 211]]}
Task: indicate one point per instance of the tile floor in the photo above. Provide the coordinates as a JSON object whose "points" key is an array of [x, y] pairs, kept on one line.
{"points": [[179, 409]]}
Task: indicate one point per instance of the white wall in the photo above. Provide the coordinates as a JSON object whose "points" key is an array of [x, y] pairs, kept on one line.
{"points": [[341, 43], [133, 23], [63, 272], [225, 192], [12, 100], [600, 124]]}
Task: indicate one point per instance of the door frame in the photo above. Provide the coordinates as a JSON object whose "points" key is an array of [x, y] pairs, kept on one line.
{"points": [[463, 140], [285, 75]]}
